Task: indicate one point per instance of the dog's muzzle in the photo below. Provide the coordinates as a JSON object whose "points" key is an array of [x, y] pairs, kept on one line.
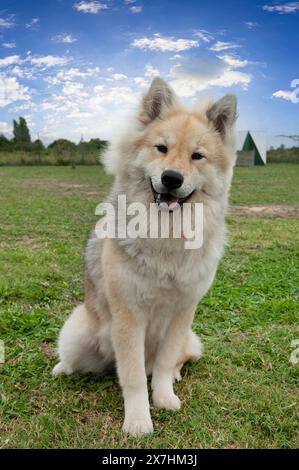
{"points": [[166, 197]]}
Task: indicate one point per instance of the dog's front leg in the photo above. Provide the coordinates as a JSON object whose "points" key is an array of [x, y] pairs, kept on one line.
{"points": [[128, 342], [166, 360]]}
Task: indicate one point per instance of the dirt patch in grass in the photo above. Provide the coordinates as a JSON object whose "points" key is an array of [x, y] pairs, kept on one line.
{"points": [[61, 188], [48, 349], [270, 210], [24, 241]]}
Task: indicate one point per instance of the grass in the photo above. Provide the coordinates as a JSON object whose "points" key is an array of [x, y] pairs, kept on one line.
{"points": [[243, 393], [269, 184]]}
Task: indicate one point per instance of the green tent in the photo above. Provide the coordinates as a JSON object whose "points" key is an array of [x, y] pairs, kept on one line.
{"points": [[249, 154]]}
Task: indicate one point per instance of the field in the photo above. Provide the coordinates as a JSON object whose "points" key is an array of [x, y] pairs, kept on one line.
{"points": [[244, 391]]}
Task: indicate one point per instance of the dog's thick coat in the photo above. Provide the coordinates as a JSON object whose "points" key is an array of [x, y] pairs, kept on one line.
{"points": [[141, 294]]}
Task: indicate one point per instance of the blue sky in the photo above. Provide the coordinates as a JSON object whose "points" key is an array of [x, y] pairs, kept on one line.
{"points": [[77, 68]]}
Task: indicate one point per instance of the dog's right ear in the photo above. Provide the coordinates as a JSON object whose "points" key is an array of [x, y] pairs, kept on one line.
{"points": [[159, 99]]}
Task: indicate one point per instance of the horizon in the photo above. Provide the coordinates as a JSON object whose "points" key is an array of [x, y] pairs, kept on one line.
{"points": [[78, 68]]}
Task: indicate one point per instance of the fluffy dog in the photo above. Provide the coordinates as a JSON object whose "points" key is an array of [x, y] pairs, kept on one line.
{"points": [[141, 293]]}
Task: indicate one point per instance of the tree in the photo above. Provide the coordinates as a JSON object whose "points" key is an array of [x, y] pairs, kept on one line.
{"points": [[98, 144], [38, 148], [37, 145], [21, 134], [64, 149], [60, 145], [15, 131], [5, 144], [24, 131]]}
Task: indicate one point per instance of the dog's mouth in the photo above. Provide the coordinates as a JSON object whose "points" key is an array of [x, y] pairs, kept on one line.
{"points": [[168, 202]]}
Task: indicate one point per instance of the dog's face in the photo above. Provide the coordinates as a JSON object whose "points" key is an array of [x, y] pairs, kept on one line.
{"points": [[184, 156], [179, 155]]}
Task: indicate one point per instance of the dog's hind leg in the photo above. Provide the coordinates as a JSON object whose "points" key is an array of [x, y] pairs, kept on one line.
{"points": [[79, 346], [192, 350]]}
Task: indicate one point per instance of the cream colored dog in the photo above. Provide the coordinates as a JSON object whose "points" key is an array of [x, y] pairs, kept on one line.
{"points": [[141, 294]]}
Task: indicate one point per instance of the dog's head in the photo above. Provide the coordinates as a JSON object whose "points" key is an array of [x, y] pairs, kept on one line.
{"points": [[178, 155]]}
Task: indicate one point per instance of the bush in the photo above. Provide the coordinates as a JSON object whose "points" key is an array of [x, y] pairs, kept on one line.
{"points": [[62, 146], [37, 146], [283, 155], [5, 144]]}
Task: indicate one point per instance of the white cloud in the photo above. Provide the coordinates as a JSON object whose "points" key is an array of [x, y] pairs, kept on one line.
{"points": [[286, 95], [98, 89], [115, 95], [5, 128], [251, 24], [164, 44], [204, 35], [32, 23], [150, 71], [70, 74], [141, 81], [194, 76], [290, 7], [136, 9], [25, 107], [11, 90], [9, 45], [176, 57], [119, 76], [128, 2], [72, 88], [79, 115], [90, 7], [10, 60], [233, 77], [6, 23], [233, 61], [52, 80], [22, 72], [71, 115], [289, 95], [64, 38], [49, 61], [222, 46], [48, 105]]}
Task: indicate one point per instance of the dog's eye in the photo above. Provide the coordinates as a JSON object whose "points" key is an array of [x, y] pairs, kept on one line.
{"points": [[161, 148], [197, 156]]}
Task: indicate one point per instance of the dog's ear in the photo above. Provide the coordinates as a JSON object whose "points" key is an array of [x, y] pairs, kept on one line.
{"points": [[159, 99], [223, 114]]}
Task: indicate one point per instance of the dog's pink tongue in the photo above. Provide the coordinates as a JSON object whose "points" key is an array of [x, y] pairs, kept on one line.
{"points": [[172, 206]]}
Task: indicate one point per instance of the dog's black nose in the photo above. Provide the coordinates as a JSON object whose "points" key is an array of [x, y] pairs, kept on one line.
{"points": [[172, 179]]}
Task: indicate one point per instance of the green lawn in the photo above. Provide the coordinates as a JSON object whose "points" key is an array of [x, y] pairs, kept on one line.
{"points": [[243, 393]]}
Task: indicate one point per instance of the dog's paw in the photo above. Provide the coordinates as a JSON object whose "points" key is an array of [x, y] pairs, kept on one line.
{"points": [[137, 426], [169, 401], [61, 368], [177, 374]]}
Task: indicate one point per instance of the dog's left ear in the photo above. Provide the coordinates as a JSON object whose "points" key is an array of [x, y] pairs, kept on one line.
{"points": [[159, 99], [223, 114]]}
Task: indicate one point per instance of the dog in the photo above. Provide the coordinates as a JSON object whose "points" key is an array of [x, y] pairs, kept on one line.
{"points": [[141, 293]]}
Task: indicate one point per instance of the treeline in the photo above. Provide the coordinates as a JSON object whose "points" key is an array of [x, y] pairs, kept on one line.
{"points": [[283, 155], [22, 150]]}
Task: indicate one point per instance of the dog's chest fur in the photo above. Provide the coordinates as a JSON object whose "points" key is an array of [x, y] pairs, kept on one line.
{"points": [[165, 277]]}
